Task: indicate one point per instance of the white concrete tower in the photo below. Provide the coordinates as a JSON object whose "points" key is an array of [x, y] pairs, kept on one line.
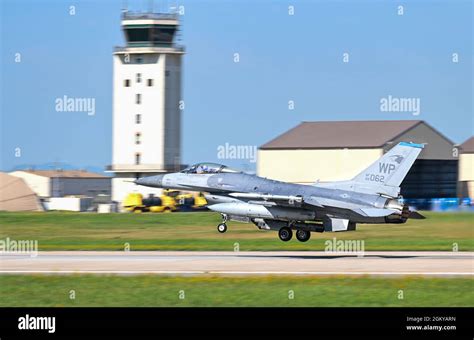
{"points": [[146, 100]]}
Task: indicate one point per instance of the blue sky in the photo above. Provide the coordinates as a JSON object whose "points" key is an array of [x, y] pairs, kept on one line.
{"points": [[282, 58]]}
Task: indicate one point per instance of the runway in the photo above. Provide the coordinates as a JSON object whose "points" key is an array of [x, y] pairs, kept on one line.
{"points": [[240, 263]]}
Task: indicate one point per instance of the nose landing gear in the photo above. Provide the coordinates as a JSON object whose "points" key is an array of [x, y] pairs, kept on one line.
{"points": [[222, 227]]}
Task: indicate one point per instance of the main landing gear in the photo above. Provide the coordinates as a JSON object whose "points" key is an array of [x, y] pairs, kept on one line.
{"points": [[303, 235], [285, 234], [222, 227]]}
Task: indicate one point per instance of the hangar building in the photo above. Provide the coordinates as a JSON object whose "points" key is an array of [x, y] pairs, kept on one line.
{"points": [[15, 195], [339, 150], [466, 169]]}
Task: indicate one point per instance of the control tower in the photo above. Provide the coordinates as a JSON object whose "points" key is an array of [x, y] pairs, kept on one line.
{"points": [[146, 101]]}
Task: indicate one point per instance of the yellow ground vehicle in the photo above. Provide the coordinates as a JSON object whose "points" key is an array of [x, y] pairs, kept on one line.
{"points": [[187, 201], [135, 202], [170, 200]]}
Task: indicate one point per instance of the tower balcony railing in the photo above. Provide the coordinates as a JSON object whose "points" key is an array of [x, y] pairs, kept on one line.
{"points": [[177, 47], [153, 16]]}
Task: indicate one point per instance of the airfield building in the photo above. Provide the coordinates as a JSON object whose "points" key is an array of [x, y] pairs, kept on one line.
{"points": [[466, 169], [16, 195], [146, 101], [60, 183], [339, 150]]}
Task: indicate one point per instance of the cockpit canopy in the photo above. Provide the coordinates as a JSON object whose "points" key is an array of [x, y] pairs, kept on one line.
{"points": [[208, 168]]}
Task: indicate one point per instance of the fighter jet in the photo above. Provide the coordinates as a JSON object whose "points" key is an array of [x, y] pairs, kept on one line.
{"points": [[373, 196]]}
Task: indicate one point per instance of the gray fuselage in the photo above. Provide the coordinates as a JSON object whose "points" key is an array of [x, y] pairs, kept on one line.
{"points": [[338, 203]]}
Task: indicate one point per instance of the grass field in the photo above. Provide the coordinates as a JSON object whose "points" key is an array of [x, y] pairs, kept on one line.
{"points": [[197, 231], [164, 291]]}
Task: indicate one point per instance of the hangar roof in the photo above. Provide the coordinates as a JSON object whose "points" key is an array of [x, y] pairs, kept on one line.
{"points": [[65, 173], [341, 134], [468, 146]]}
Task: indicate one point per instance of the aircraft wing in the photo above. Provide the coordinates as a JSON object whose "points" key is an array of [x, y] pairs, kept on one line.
{"points": [[313, 201], [279, 199], [317, 202], [298, 201]]}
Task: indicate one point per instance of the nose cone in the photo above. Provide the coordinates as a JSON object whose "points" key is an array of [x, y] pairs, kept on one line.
{"points": [[151, 181]]}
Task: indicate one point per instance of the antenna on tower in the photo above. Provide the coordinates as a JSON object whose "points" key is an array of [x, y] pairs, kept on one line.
{"points": [[173, 8], [124, 6]]}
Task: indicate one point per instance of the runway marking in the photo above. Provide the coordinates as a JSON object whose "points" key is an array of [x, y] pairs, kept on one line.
{"points": [[244, 263], [191, 272]]}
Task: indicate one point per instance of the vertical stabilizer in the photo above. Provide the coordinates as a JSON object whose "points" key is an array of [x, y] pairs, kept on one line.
{"points": [[391, 168]]}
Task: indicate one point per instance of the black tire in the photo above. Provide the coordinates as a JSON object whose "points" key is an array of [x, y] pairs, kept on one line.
{"points": [[222, 228], [285, 234], [303, 235]]}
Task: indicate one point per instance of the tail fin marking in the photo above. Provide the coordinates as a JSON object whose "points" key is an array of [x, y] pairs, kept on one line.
{"points": [[391, 168]]}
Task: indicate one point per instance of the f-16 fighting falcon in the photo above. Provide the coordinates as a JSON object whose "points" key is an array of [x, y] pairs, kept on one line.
{"points": [[370, 197]]}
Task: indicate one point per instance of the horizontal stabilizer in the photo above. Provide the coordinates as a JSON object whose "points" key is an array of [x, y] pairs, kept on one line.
{"points": [[375, 212], [416, 215]]}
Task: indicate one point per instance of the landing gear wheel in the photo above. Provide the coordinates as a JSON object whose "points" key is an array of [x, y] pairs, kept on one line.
{"points": [[222, 228], [303, 235], [285, 234]]}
